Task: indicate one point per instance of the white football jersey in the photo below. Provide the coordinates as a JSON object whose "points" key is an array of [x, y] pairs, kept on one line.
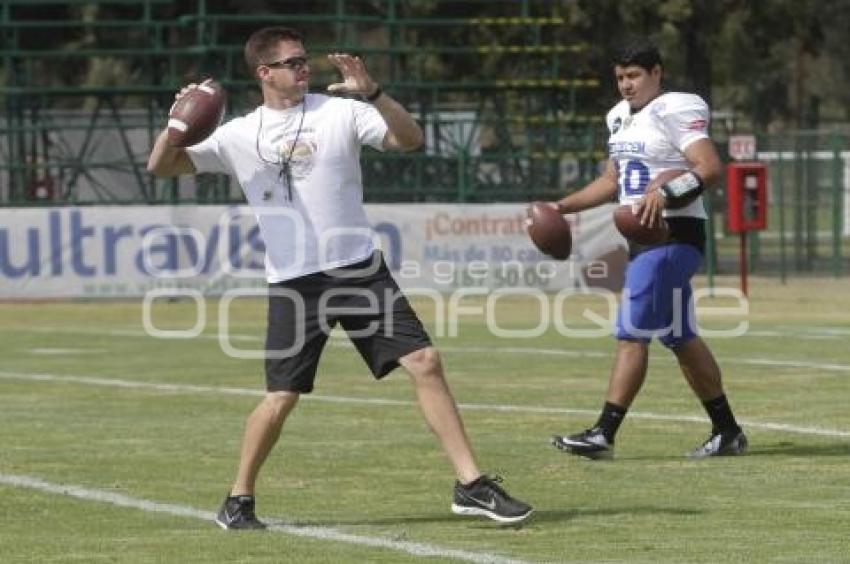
{"points": [[653, 140]]}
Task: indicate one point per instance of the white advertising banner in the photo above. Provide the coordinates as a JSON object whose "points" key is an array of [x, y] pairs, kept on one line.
{"points": [[126, 251]]}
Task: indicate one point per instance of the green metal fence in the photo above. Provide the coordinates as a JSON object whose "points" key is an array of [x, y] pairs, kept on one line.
{"points": [[498, 84], [808, 207]]}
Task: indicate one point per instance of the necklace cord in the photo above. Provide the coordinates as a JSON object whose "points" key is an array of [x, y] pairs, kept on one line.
{"points": [[285, 165]]}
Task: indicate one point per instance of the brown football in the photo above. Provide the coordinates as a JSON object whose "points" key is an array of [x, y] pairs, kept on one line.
{"points": [[549, 231], [629, 225], [196, 115]]}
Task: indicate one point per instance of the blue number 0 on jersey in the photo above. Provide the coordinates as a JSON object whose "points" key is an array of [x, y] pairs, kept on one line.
{"points": [[635, 186]]}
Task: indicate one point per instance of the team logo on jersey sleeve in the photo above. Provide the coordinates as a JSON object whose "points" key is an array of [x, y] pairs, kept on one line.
{"points": [[696, 125], [615, 127]]}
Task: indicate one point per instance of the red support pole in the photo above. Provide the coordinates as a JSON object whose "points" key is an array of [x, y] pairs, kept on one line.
{"points": [[742, 260]]}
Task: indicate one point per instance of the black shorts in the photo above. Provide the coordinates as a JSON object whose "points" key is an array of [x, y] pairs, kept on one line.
{"points": [[363, 298]]}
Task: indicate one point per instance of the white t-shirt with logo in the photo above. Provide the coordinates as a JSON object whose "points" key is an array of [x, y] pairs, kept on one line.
{"points": [[653, 140], [320, 224]]}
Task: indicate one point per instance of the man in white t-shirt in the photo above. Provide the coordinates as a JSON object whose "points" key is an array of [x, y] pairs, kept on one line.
{"points": [[654, 131], [297, 158]]}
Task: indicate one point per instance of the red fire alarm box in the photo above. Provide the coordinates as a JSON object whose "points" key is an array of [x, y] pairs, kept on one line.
{"points": [[746, 196]]}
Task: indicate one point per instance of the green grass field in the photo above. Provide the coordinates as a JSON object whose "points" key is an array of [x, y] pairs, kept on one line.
{"points": [[117, 447]]}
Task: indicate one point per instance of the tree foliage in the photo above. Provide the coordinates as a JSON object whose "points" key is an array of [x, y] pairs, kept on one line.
{"points": [[771, 62], [767, 63]]}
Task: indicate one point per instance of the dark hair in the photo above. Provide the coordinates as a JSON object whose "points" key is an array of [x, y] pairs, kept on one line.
{"points": [[260, 47], [640, 52]]}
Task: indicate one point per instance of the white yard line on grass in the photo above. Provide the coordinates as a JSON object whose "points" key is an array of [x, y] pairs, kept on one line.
{"points": [[64, 352], [831, 367], [224, 390], [340, 340], [313, 532], [803, 332]]}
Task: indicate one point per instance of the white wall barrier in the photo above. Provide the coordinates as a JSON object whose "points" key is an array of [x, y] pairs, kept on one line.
{"points": [[126, 251]]}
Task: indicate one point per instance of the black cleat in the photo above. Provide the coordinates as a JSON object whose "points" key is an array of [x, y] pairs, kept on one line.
{"points": [[718, 444], [485, 497], [590, 444], [237, 513]]}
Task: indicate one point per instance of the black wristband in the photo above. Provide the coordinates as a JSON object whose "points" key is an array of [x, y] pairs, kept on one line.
{"points": [[682, 190], [375, 95]]}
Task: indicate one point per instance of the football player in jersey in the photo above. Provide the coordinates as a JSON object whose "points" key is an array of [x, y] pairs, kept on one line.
{"points": [[652, 131], [297, 159]]}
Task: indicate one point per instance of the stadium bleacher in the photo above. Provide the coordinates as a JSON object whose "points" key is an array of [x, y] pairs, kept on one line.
{"points": [[87, 84]]}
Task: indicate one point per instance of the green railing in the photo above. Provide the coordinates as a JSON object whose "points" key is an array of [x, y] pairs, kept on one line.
{"points": [[502, 91], [498, 85], [808, 207]]}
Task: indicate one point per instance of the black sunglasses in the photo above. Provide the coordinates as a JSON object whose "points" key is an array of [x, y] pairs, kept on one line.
{"points": [[292, 63]]}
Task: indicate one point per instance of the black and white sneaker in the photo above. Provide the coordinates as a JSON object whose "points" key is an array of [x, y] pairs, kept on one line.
{"points": [[718, 444], [590, 443], [237, 512], [485, 497]]}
